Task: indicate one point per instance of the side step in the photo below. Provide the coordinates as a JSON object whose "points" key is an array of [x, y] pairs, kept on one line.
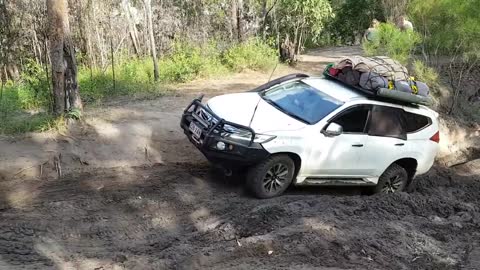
{"points": [[337, 182]]}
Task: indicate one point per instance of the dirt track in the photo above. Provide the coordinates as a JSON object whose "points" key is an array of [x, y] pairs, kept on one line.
{"points": [[171, 211]]}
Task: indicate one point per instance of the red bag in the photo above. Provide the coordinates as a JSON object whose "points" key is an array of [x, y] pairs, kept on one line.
{"points": [[333, 72]]}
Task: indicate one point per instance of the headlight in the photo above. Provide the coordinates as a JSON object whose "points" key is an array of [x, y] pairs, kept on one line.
{"points": [[245, 135]]}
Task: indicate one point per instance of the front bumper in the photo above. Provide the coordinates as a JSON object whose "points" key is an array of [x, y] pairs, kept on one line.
{"points": [[236, 153]]}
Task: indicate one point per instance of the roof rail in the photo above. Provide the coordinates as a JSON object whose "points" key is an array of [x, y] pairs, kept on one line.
{"points": [[279, 81]]}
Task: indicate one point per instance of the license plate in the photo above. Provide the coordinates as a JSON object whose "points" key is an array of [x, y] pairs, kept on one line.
{"points": [[196, 131]]}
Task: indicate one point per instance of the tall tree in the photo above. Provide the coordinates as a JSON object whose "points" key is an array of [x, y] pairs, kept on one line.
{"points": [[64, 67], [240, 21], [132, 28], [300, 19], [148, 8]]}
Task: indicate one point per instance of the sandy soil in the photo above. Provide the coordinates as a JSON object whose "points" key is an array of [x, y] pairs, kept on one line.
{"points": [[134, 194]]}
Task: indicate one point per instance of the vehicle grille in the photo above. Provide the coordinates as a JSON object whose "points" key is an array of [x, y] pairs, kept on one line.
{"points": [[204, 117]]}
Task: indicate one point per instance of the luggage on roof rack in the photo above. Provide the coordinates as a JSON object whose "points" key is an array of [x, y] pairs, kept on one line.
{"points": [[379, 77]]}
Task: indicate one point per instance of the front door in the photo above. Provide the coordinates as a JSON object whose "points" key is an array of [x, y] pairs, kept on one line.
{"points": [[339, 156]]}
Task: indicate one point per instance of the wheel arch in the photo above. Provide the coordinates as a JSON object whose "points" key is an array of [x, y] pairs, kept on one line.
{"points": [[297, 160], [410, 165]]}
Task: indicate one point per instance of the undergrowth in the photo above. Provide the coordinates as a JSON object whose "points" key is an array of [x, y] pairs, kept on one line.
{"points": [[25, 104], [393, 42]]}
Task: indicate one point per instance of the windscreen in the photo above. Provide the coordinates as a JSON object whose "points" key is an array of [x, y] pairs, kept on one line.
{"points": [[301, 101]]}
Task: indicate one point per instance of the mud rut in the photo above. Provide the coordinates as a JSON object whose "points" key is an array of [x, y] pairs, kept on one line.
{"points": [[185, 215], [189, 217]]}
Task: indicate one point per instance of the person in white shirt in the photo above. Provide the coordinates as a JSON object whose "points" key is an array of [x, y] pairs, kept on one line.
{"points": [[372, 31], [404, 24]]}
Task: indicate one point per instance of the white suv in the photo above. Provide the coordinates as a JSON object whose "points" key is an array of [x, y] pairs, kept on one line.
{"points": [[314, 131]]}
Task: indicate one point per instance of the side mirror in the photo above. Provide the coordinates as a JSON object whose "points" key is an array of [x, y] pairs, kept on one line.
{"points": [[333, 130]]}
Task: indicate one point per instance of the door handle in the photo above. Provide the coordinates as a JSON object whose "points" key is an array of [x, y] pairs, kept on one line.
{"points": [[399, 144], [357, 145]]}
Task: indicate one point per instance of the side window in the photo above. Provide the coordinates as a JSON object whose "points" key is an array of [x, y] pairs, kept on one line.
{"points": [[416, 122], [387, 122], [353, 120]]}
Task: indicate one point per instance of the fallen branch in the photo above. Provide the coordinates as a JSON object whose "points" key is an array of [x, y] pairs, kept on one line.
{"points": [[24, 169]]}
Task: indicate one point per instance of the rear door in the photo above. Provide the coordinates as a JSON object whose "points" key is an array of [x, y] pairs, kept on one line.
{"points": [[386, 141], [420, 129]]}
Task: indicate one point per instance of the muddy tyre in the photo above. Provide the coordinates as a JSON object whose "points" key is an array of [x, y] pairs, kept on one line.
{"points": [[271, 177], [393, 180]]}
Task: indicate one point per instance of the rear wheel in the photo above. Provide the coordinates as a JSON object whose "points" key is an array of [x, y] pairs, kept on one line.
{"points": [[271, 177], [393, 180]]}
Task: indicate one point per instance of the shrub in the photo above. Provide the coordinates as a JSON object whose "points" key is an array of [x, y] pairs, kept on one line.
{"points": [[253, 54], [426, 74], [184, 64], [133, 77], [30, 123], [188, 62], [392, 42]]}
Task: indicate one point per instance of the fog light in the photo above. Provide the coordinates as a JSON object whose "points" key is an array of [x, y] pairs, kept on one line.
{"points": [[221, 146]]}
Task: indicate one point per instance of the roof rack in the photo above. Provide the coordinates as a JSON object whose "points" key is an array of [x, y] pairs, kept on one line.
{"points": [[387, 95]]}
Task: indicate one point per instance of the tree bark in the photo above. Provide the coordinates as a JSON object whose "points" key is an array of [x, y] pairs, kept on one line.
{"points": [[132, 29], [240, 22], [91, 56], [37, 48], [234, 19], [148, 6], [82, 29], [64, 66]]}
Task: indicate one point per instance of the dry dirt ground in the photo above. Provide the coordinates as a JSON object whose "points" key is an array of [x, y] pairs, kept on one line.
{"points": [[134, 194]]}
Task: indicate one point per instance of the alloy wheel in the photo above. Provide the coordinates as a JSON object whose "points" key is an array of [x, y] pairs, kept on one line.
{"points": [[275, 178], [393, 184]]}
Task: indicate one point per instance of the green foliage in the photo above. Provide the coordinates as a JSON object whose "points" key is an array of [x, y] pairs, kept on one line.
{"points": [[392, 42], [450, 26], [253, 54], [74, 114], [133, 77], [32, 92], [22, 123], [188, 62], [352, 18], [303, 18], [424, 73], [25, 105]]}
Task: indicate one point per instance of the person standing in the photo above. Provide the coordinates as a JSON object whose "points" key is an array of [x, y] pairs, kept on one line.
{"points": [[371, 31], [404, 24]]}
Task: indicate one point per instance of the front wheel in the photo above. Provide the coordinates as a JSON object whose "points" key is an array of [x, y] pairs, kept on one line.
{"points": [[271, 177]]}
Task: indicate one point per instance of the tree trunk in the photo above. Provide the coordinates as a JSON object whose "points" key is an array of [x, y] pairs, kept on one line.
{"points": [[37, 48], [240, 22], [132, 29], [234, 20], [91, 56], [64, 67], [12, 71], [148, 6], [71, 81], [265, 14], [82, 28]]}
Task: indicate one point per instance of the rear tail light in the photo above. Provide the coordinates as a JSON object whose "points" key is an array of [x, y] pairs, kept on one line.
{"points": [[436, 137]]}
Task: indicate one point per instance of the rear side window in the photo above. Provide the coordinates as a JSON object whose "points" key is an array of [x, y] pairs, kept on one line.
{"points": [[416, 122], [387, 122]]}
